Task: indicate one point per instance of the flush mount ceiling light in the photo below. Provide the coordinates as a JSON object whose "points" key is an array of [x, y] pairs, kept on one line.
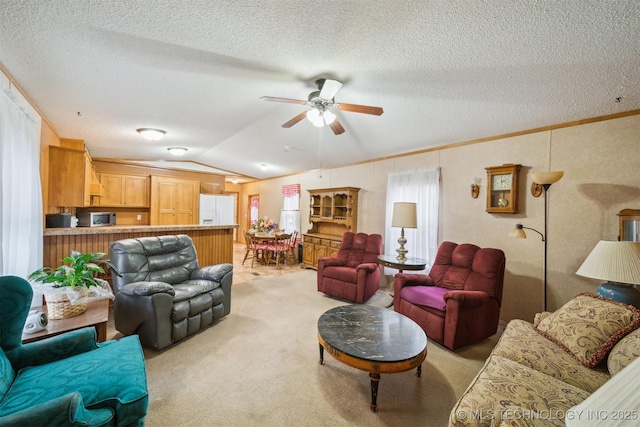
{"points": [[151, 134], [177, 151]]}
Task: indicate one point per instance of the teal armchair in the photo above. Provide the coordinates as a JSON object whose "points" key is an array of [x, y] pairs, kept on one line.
{"points": [[68, 379]]}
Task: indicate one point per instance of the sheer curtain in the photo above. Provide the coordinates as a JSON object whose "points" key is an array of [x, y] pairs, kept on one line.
{"points": [[420, 186], [20, 191], [290, 213]]}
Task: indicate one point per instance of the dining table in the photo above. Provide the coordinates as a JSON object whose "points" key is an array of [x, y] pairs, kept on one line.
{"points": [[260, 237]]}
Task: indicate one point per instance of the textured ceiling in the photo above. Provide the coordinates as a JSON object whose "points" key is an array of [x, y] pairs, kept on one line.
{"points": [[444, 72]]}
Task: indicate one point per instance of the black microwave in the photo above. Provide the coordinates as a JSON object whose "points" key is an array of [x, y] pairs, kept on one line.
{"points": [[96, 219]]}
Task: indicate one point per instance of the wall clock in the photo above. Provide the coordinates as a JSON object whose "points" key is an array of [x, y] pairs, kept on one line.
{"points": [[502, 188]]}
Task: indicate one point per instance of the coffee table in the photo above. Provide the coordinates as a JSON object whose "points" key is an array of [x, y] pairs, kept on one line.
{"points": [[373, 339], [97, 315]]}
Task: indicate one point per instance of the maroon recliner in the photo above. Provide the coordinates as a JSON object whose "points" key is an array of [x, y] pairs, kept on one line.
{"points": [[458, 303], [354, 274]]}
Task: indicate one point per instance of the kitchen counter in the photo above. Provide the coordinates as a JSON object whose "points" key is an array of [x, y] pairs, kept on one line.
{"points": [[214, 243], [113, 229]]}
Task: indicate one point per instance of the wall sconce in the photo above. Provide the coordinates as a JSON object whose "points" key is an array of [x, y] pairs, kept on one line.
{"points": [[475, 190]]}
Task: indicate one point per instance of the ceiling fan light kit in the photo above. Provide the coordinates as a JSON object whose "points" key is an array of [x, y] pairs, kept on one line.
{"points": [[319, 119], [322, 102]]}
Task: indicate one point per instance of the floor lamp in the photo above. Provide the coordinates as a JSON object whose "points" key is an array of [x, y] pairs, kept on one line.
{"points": [[543, 180]]}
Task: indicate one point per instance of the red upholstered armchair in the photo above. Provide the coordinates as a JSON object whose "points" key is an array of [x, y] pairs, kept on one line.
{"points": [[354, 274], [458, 303]]}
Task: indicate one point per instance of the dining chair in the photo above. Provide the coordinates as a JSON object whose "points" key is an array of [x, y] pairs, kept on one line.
{"points": [[278, 248], [290, 255], [253, 248]]}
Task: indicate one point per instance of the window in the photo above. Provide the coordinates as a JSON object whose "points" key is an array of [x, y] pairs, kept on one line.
{"points": [[420, 186], [20, 191]]}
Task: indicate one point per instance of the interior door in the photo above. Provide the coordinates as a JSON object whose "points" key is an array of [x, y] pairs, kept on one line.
{"points": [[252, 214]]}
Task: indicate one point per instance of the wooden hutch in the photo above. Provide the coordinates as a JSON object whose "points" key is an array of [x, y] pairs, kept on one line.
{"points": [[332, 212]]}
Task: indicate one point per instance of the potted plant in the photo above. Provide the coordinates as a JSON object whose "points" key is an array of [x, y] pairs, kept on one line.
{"points": [[67, 286]]}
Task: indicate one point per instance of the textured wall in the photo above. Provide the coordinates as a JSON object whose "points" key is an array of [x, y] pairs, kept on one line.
{"points": [[601, 161]]}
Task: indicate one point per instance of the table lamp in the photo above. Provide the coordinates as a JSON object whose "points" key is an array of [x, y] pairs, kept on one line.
{"points": [[619, 264], [404, 216]]}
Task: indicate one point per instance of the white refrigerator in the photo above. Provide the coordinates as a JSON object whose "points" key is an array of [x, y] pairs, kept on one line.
{"points": [[217, 209]]}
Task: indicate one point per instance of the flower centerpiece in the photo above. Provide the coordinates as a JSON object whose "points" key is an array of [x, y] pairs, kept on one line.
{"points": [[264, 225], [66, 288]]}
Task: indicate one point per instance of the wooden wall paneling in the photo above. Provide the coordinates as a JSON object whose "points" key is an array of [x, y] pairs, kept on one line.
{"points": [[214, 246]]}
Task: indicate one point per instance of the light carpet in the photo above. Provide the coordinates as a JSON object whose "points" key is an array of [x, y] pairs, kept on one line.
{"points": [[259, 366]]}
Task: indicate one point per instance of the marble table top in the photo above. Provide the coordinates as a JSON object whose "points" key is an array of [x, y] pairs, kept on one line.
{"points": [[372, 333]]}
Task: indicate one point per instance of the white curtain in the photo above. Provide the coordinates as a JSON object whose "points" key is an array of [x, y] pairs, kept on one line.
{"points": [[20, 190], [420, 186], [290, 213]]}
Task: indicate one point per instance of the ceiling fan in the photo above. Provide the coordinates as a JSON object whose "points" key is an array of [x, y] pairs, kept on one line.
{"points": [[322, 102]]}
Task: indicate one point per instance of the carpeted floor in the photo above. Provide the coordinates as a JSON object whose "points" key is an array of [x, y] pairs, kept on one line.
{"points": [[259, 367]]}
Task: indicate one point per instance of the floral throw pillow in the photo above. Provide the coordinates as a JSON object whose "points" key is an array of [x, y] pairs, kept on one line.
{"points": [[588, 326], [624, 353]]}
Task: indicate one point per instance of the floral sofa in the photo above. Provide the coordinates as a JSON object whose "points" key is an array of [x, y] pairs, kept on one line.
{"points": [[538, 372]]}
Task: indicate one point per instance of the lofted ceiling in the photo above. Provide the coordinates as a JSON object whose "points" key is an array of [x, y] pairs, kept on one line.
{"points": [[443, 71]]}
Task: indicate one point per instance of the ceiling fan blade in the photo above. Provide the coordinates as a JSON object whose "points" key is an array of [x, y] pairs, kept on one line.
{"points": [[336, 127], [295, 120], [330, 88], [365, 109], [289, 100]]}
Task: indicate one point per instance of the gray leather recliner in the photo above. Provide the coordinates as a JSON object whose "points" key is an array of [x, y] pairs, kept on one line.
{"points": [[162, 294]]}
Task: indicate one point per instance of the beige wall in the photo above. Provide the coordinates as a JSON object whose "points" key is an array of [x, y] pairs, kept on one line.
{"points": [[601, 161]]}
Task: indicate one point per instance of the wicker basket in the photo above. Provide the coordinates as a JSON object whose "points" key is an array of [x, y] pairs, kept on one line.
{"points": [[59, 306]]}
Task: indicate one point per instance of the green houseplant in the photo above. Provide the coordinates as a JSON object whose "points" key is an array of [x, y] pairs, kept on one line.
{"points": [[70, 282]]}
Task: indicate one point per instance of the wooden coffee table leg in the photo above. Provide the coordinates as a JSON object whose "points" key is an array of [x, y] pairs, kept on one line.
{"points": [[375, 379], [101, 329], [321, 354]]}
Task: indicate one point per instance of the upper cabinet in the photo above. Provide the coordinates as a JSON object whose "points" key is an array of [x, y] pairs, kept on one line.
{"points": [[128, 191], [629, 225], [174, 201], [333, 210], [72, 178]]}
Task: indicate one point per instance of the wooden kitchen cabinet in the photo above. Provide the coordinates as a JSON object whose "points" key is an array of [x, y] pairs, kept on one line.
{"points": [[174, 201], [72, 178], [129, 191], [332, 211]]}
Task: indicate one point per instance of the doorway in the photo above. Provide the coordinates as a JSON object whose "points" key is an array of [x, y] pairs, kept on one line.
{"points": [[253, 206]]}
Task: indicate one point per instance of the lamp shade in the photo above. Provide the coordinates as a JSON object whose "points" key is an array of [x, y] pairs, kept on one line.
{"points": [[404, 215], [546, 177], [518, 232], [613, 261]]}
